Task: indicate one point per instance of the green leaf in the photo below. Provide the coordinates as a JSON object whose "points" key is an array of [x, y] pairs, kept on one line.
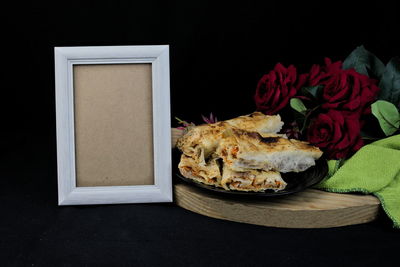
{"points": [[362, 60], [367, 136], [307, 118], [314, 91], [390, 82], [298, 105], [388, 116]]}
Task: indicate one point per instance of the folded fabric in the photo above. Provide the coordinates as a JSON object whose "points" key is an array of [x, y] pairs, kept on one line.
{"points": [[374, 169]]}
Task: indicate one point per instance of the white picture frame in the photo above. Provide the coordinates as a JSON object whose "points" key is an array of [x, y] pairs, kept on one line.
{"points": [[65, 59]]}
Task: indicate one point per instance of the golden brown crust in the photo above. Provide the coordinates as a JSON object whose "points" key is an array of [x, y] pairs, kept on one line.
{"points": [[250, 155], [205, 137], [243, 150], [256, 142], [257, 122], [208, 136], [251, 180], [208, 173]]}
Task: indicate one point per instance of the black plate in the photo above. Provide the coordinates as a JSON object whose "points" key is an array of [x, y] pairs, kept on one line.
{"points": [[296, 182]]}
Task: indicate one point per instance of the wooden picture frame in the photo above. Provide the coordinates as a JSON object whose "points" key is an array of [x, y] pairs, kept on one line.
{"points": [[113, 124]]}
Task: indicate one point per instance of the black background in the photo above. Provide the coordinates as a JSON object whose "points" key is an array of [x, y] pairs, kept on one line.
{"points": [[217, 54]]}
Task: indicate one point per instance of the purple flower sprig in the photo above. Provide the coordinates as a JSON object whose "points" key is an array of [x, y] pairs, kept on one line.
{"points": [[210, 120], [292, 131], [186, 126]]}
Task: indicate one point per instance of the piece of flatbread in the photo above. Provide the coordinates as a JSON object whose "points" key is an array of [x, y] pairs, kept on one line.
{"points": [[203, 140], [242, 150], [251, 180], [258, 122], [244, 153], [207, 173]]}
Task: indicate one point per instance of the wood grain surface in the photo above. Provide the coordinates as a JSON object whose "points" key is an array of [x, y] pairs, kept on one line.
{"points": [[307, 209]]}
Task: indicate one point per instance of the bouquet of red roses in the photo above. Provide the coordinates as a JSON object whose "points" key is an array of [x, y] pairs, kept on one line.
{"points": [[338, 105]]}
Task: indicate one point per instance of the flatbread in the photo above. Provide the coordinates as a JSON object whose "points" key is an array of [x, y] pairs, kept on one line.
{"points": [[207, 173], [205, 138], [243, 150], [258, 122], [202, 140], [244, 153], [251, 180]]}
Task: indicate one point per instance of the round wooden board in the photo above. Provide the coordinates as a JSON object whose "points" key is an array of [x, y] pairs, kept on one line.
{"points": [[308, 209]]}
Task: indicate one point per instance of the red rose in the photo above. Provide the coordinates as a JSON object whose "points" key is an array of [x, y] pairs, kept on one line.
{"points": [[337, 135], [318, 74], [345, 90], [275, 89]]}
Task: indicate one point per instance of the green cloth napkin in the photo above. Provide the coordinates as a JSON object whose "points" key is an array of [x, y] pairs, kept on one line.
{"points": [[374, 169]]}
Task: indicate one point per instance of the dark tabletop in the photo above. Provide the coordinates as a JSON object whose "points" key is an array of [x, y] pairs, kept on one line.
{"points": [[35, 231]]}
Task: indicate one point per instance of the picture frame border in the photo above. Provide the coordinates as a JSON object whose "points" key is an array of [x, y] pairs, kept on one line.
{"points": [[65, 59]]}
